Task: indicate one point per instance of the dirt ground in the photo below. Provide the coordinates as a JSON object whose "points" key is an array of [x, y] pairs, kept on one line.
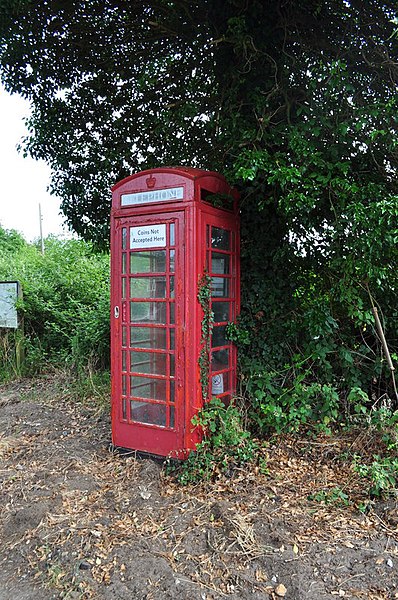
{"points": [[79, 521]]}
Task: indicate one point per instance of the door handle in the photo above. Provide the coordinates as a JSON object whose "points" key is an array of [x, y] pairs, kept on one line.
{"points": [[116, 312]]}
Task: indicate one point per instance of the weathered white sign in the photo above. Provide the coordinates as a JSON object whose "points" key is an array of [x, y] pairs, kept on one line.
{"points": [[217, 384], [8, 299], [168, 194], [148, 236]]}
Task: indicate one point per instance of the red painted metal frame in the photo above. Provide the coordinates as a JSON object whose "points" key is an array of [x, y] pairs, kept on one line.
{"points": [[194, 214]]}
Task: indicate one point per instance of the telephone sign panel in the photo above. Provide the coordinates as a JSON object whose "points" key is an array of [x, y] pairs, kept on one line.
{"points": [[165, 235]]}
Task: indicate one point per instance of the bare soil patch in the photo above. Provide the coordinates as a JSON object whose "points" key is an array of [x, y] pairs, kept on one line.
{"points": [[80, 522]]}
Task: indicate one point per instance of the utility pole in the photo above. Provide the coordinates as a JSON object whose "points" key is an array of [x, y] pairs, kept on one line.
{"points": [[41, 230]]}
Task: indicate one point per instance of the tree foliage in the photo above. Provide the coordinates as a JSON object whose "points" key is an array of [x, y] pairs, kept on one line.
{"points": [[295, 101]]}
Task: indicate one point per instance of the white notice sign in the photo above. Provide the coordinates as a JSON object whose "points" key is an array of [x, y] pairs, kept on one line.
{"points": [[8, 299], [217, 385], [148, 236]]}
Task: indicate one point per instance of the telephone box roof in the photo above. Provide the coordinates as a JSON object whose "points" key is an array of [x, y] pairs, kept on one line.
{"points": [[189, 172]]}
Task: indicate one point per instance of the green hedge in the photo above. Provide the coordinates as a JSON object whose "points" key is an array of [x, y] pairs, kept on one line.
{"points": [[65, 305]]}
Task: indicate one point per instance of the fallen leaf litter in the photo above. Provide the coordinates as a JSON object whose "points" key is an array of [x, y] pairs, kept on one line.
{"points": [[220, 539]]}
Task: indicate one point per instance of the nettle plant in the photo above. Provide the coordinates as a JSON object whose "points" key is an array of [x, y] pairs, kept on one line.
{"points": [[380, 474], [226, 444]]}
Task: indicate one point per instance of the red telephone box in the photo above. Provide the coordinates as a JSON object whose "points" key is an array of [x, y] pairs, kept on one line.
{"points": [[165, 235]]}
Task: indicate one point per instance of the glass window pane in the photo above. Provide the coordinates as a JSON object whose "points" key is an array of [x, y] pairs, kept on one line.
{"points": [[124, 408], [219, 337], [172, 286], [124, 335], [124, 385], [124, 288], [172, 416], [219, 287], [150, 261], [172, 234], [227, 381], [220, 263], [148, 362], [220, 238], [148, 312], [172, 365], [220, 311], [124, 262], [172, 313], [148, 337], [220, 359], [124, 238], [148, 287], [172, 341], [124, 360], [172, 260], [143, 387], [172, 391], [146, 412]]}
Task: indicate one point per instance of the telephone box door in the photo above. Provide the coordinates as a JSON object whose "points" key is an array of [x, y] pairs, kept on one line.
{"points": [[147, 333]]}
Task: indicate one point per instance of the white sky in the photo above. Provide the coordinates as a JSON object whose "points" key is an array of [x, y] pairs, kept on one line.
{"points": [[23, 181]]}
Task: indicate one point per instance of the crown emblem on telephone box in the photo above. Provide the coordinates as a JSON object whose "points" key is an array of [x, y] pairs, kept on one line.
{"points": [[150, 182]]}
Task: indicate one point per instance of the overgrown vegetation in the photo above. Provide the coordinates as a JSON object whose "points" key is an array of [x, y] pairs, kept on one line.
{"points": [[226, 445], [308, 346], [204, 299], [64, 309]]}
